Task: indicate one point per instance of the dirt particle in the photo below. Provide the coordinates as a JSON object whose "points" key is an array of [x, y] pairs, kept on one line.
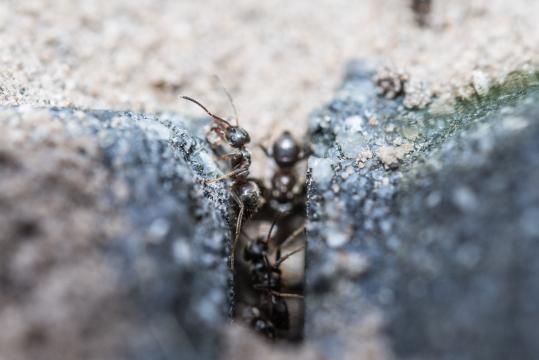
{"points": [[390, 81], [373, 121], [390, 156], [480, 82], [418, 94], [363, 157]]}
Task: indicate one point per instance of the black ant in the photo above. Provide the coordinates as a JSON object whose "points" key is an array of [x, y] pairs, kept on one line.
{"points": [[421, 9], [245, 192], [271, 312], [285, 190]]}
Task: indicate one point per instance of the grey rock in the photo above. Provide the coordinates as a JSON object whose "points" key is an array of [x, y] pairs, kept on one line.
{"points": [[111, 246], [442, 210]]}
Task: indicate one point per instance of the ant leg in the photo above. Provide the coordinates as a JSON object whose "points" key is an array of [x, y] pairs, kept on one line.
{"points": [[288, 295], [225, 176], [238, 229], [265, 150], [224, 157], [283, 259], [237, 170], [261, 287], [215, 144], [229, 156], [265, 289], [294, 235], [305, 153]]}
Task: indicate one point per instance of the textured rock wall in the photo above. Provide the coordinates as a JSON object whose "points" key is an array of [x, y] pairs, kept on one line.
{"points": [[423, 228], [111, 247]]}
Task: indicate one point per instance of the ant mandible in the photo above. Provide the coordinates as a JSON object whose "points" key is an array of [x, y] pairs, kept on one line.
{"points": [[245, 192]]}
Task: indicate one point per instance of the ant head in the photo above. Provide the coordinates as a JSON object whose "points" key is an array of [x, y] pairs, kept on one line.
{"points": [[237, 136], [286, 150]]}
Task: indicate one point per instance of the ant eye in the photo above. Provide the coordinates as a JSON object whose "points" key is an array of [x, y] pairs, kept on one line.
{"points": [[237, 136]]}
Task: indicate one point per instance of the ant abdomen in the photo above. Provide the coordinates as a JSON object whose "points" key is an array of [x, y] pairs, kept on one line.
{"points": [[249, 194]]}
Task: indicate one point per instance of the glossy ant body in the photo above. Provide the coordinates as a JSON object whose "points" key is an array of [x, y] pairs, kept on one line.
{"points": [[271, 312], [245, 191], [285, 189]]}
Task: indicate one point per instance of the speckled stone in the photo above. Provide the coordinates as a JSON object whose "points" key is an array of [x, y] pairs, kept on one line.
{"points": [[111, 246], [443, 215]]}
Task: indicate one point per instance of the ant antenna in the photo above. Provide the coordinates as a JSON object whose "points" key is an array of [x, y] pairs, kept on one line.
{"points": [[229, 99], [215, 117]]}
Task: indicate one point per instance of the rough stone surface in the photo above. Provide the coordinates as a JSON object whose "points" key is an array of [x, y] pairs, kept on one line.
{"points": [[111, 247], [441, 210]]}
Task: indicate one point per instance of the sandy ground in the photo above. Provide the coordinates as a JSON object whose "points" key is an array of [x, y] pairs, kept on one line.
{"points": [[279, 59]]}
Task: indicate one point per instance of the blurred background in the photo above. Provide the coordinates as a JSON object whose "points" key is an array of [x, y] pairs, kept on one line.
{"points": [[280, 60]]}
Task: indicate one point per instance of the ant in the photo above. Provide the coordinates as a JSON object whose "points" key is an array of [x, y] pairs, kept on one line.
{"points": [[285, 191], [272, 310], [245, 192], [421, 9]]}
